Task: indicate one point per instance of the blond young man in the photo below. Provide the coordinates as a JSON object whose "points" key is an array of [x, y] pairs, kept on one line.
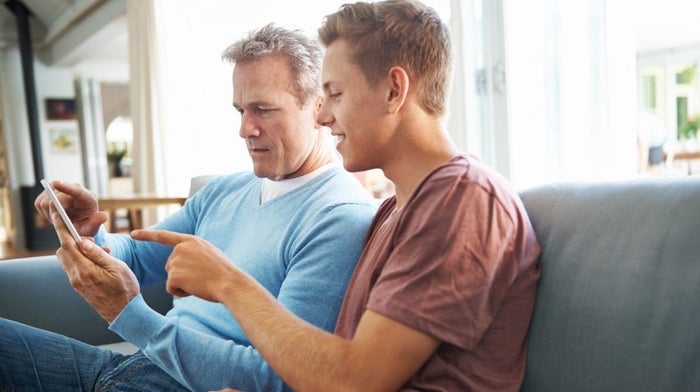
{"points": [[443, 292]]}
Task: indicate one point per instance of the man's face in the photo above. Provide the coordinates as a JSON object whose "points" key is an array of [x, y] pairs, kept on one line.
{"points": [[280, 135], [354, 111]]}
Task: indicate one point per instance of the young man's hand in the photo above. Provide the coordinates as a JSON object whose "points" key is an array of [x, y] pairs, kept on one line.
{"points": [[195, 266]]}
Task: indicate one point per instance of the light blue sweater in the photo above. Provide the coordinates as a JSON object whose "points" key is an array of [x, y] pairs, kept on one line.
{"points": [[302, 246]]}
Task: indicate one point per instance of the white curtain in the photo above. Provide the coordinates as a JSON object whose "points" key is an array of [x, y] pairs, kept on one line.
{"points": [[146, 91], [462, 119], [570, 66], [146, 102], [92, 134]]}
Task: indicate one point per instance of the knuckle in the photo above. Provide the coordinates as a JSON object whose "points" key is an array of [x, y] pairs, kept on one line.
{"points": [[75, 282], [84, 276]]}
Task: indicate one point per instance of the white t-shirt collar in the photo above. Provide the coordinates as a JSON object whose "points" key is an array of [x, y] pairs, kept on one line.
{"points": [[271, 189]]}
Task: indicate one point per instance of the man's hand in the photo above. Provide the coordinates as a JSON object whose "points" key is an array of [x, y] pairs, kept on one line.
{"points": [[80, 205], [195, 266], [105, 282]]}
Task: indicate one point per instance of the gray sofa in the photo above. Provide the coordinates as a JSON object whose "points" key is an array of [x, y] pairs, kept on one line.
{"points": [[618, 303], [618, 306]]}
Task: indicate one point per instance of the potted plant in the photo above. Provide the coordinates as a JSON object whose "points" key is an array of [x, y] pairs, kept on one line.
{"points": [[689, 129], [114, 158]]}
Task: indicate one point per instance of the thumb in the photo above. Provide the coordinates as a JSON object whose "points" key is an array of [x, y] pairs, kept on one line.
{"points": [[99, 217], [95, 253], [92, 225]]}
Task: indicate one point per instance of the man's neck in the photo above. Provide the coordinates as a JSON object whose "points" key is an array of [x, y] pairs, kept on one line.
{"points": [[416, 158], [322, 154]]}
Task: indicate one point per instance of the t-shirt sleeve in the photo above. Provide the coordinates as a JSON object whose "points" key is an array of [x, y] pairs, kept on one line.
{"points": [[452, 262]]}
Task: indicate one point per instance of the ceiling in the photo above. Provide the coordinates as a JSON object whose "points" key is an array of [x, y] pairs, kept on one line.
{"points": [[66, 32]]}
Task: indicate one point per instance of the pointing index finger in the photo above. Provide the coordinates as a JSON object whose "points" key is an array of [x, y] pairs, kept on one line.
{"points": [[164, 237]]}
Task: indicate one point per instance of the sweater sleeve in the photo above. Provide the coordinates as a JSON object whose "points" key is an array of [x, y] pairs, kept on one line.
{"points": [[147, 259], [322, 257]]}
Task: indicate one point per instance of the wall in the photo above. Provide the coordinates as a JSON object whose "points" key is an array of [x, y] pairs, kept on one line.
{"points": [[16, 124], [51, 82], [61, 161]]}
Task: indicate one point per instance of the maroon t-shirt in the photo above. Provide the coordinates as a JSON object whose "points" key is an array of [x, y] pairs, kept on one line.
{"points": [[459, 263]]}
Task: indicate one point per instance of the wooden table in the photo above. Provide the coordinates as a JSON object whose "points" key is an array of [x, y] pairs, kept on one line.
{"points": [[134, 204], [686, 155]]}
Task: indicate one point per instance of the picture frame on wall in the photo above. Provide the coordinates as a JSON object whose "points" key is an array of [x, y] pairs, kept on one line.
{"points": [[60, 108], [64, 140]]}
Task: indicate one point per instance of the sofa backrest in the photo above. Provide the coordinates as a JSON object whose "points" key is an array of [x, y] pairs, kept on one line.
{"points": [[197, 182], [618, 303]]}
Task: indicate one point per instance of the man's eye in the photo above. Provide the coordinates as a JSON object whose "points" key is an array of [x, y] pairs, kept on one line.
{"points": [[335, 95], [262, 111]]}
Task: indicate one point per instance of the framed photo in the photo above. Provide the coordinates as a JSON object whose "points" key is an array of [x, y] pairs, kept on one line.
{"points": [[60, 108], [64, 140]]}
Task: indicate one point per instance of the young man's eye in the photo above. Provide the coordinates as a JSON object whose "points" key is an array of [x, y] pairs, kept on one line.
{"points": [[262, 111], [335, 95]]}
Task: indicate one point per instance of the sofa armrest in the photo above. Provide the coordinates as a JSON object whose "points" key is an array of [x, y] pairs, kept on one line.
{"points": [[36, 291]]}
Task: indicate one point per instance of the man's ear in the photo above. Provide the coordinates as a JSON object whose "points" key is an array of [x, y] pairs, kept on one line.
{"points": [[317, 108], [399, 84]]}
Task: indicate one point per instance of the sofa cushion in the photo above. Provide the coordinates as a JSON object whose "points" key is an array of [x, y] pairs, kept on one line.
{"points": [[618, 303]]}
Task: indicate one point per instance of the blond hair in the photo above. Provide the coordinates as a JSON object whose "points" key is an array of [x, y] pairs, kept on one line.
{"points": [[401, 33]]}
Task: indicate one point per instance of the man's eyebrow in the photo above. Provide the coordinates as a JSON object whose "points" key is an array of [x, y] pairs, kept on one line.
{"points": [[253, 104], [326, 86]]}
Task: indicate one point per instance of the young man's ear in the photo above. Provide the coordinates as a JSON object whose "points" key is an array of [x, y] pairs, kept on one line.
{"points": [[399, 84]]}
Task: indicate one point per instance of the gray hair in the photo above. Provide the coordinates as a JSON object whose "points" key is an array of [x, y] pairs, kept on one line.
{"points": [[303, 53]]}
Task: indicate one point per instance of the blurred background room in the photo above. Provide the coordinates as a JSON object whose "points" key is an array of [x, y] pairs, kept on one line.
{"points": [[131, 98]]}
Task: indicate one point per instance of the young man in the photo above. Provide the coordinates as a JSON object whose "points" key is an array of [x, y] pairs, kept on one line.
{"points": [[296, 225], [443, 292]]}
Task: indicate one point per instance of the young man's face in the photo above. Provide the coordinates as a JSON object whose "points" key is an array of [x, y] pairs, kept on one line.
{"points": [[354, 111], [281, 137]]}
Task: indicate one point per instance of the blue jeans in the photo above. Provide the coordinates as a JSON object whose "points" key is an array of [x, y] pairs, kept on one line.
{"points": [[35, 360]]}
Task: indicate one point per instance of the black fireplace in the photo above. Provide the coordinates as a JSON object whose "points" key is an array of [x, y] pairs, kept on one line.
{"points": [[39, 234]]}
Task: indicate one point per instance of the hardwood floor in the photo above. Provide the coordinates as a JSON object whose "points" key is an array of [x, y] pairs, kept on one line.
{"points": [[9, 251]]}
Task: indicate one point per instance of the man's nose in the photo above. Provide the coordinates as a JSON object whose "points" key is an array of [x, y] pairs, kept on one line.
{"points": [[249, 128]]}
